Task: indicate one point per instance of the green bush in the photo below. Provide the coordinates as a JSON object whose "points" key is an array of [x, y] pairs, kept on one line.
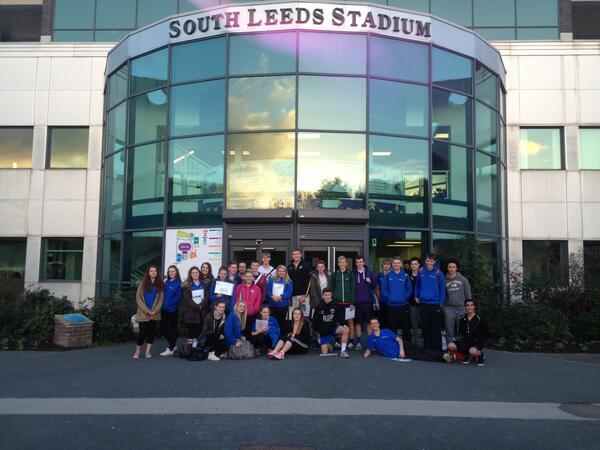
{"points": [[111, 318]]}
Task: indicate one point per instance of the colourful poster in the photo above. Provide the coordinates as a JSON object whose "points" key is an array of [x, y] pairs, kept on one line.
{"points": [[188, 247]]}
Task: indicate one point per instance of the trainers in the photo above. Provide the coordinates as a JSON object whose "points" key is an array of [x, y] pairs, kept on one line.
{"points": [[358, 347], [278, 355], [213, 357], [481, 361], [468, 359], [350, 345], [167, 352], [344, 355], [337, 345], [448, 357]]}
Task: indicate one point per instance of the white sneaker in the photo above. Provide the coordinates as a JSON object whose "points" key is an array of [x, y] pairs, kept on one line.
{"points": [[350, 346], [167, 352], [213, 357]]}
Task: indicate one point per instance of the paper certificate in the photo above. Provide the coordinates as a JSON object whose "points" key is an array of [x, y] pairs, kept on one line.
{"points": [[223, 287], [197, 295], [306, 308], [261, 323], [350, 313], [278, 289]]}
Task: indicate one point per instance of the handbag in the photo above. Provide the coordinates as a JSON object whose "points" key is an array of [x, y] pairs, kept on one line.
{"points": [[135, 325], [244, 351]]}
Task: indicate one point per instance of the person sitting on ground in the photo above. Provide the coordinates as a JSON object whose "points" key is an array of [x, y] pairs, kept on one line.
{"points": [[297, 340], [236, 324], [390, 345], [473, 331], [265, 334], [213, 332], [325, 322]]}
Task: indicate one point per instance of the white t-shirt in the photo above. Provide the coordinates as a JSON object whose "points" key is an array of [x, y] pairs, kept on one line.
{"points": [[322, 281], [268, 272]]}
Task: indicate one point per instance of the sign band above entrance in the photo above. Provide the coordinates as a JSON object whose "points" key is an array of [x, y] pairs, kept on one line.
{"points": [[305, 16]]}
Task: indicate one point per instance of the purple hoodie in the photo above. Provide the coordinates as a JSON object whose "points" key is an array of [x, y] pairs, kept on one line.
{"points": [[363, 289]]}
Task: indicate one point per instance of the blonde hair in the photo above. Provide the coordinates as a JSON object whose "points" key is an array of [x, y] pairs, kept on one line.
{"points": [[241, 316], [341, 258], [276, 277]]}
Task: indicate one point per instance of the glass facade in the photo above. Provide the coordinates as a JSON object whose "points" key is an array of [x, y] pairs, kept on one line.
{"points": [[252, 123]]}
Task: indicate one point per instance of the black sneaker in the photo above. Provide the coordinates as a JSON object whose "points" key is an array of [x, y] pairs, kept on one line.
{"points": [[467, 359], [481, 362]]}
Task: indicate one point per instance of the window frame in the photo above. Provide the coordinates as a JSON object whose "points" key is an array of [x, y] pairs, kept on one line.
{"points": [[561, 129], [32, 128], [43, 266], [48, 152]]}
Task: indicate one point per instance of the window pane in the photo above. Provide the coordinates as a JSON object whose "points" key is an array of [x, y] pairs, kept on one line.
{"points": [[111, 257], [16, 145], [110, 35], [541, 148], [331, 171], [332, 103], [333, 53], [196, 180], [194, 5], [145, 185], [262, 53], [411, 5], [537, 33], [117, 86], [62, 259], [457, 11], [262, 103], [202, 59], [451, 117], [486, 173], [198, 108], [260, 171], [74, 14], [116, 123], [494, 13], [398, 173], [114, 173], [73, 36], [486, 128], [148, 117], [115, 13], [149, 72], [149, 11], [398, 108], [391, 243], [451, 71], [589, 148], [486, 86], [68, 147], [537, 12], [496, 34], [545, 262], [142, 249], [399, 59], [451, 187], [12, 258], [449, 245]]}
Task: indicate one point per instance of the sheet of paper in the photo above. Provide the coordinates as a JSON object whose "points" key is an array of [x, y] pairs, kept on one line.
{"points": [[278, 289], [261, 323], [198, 296], [350, 313], [223, 287], [402, 359], [306, 308]]}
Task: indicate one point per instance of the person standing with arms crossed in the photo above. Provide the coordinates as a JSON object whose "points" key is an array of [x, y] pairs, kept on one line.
{"points": [[459, 291], [430, 295], [299, 273], [344, 294]]}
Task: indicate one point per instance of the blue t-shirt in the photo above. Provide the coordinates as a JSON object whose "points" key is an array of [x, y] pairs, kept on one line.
{"points": [[385, 343], [149, 297]]}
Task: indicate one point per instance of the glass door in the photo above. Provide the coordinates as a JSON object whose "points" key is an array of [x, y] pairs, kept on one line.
{"points": [[330, 251], [248, 251]]}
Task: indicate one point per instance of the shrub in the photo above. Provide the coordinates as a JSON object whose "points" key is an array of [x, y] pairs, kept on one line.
{"points": [[112, 317]]}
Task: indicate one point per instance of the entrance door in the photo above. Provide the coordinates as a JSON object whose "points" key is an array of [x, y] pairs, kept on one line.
{"points": [[247, 251], [330, 251]]}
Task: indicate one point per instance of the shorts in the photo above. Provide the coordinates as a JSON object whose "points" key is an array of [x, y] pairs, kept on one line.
{"points": [[362, 314], [462, 346], [341, 312], [328, 339]]}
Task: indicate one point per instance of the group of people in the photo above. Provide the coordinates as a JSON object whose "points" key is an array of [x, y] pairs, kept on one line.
{"points": [[247, 311]]}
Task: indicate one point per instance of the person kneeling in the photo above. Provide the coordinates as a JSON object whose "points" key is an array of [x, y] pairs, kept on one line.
{"points": [[325, 321], [213, 332], [297, 340], [266, 332], [390, 345], [473, 332]]}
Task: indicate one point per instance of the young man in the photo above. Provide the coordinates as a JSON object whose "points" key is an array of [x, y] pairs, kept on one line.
{"points": [[299, 273], [473, 331], [386, 266], [325, 323], [398, 289], [430, 295], [232, 273], [267, 270], [459, 291], [390, 345], [242, 270], [344, 293], [365, 283], [415, 320]]}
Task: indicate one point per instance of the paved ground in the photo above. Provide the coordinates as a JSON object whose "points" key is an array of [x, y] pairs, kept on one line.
{"points": [[100, 398]]}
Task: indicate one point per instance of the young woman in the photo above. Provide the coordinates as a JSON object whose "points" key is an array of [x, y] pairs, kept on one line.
{"points": [[297, 340], [265, 336], [252, 295], [173, 292], [279, 294], [206, 275], [236, 324], [321, 279], [213, 332], [214, 296], [195, 298], [149, 299]]}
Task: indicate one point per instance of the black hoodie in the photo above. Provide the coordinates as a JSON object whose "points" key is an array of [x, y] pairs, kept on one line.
{"points": [[299, 276], [473, 332], [325, 318]]}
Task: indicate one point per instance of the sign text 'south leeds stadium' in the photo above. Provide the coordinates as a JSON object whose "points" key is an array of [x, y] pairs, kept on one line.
{"points": [[326, 17]]}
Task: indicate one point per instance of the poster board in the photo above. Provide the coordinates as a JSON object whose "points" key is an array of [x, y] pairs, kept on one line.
{"points": [[188, 247]]}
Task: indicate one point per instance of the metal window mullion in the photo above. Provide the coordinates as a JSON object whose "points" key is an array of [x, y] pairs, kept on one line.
{"points": [[428, 190], [295, 237], [166, 141]]}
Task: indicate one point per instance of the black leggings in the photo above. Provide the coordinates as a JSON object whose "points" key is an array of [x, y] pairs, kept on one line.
{"points": [[261, 340], [214, 344], [193, 330], [422, 354], [279, 314], [168, 327], [431, 324], [147, 331]]}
